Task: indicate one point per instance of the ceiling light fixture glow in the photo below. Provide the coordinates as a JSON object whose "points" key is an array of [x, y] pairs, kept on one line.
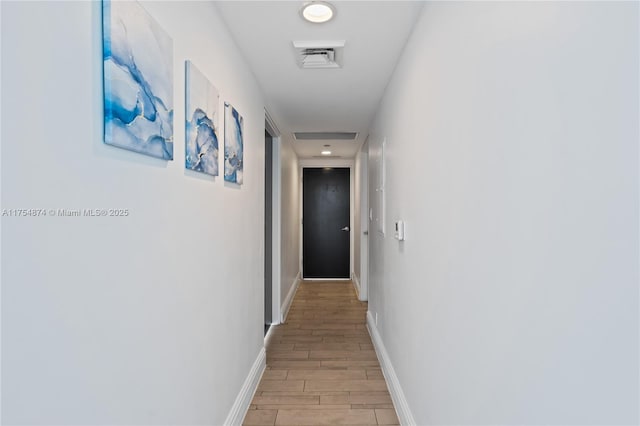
{"points": [[318, 12], [326, 152]]}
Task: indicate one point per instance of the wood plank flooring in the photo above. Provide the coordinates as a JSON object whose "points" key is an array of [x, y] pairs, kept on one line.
{"points": [[321, 366]]}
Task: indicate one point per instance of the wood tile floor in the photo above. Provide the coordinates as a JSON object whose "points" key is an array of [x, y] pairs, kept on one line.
{"points": [[321, 366]]}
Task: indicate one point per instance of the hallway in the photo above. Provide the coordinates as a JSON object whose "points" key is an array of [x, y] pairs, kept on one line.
{"points": [[150, 229], [321, 365]]}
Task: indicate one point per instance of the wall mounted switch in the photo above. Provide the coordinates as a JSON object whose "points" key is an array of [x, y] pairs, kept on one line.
{"points": [[399, 230]]}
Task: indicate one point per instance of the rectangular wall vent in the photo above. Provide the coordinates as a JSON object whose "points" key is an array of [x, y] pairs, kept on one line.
{"points": [[325, 136]]}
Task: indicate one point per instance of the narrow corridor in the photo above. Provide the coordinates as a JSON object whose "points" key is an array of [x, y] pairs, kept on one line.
{"points": [[321, 365]]}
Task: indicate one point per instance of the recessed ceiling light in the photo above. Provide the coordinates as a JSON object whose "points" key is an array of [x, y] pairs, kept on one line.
{"points": [[326, 152], [318, 12]]}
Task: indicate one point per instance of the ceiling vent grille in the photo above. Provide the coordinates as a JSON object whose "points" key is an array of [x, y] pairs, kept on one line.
{"points": [[325, 136], [319, 54]]}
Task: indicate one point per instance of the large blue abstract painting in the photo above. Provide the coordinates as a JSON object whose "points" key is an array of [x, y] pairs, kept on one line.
{"points": [[138, 80], [233, 145], [201, 145]]}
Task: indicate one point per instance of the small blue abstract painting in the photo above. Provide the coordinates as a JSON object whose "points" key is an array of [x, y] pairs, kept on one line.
{"points": [[138, 80], [201, 143], [233, 145]]}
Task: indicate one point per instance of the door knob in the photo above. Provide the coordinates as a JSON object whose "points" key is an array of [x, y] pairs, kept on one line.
{"points": [[346, 229]]}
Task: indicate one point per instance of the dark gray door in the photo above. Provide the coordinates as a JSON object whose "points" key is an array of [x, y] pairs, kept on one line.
{"points": [[325, 223], [268, 230]]}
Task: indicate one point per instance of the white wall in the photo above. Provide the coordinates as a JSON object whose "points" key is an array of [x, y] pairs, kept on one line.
{"points": [[290, 228], [512, 154], [155, 318]]}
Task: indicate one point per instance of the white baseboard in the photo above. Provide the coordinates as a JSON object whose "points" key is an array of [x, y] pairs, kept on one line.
{"points": [[397, 395], [243, 400], [356, 284], [289, 299]]}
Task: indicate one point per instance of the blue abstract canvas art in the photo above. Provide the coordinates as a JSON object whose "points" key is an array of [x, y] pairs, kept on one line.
{"points": [[138, 80], [233, 144], [201, 143]]}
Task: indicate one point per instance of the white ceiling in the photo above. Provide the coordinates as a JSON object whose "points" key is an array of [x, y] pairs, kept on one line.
{"points": [[322, 100]]}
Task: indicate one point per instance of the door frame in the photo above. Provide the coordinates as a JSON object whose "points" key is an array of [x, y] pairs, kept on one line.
{"points": [[313, 163], [276, 219], [363, 211], [268, 230]]}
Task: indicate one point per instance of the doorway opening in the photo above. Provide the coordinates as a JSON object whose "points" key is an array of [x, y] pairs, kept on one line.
{"points": [[268, 230], [272, 224]]}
